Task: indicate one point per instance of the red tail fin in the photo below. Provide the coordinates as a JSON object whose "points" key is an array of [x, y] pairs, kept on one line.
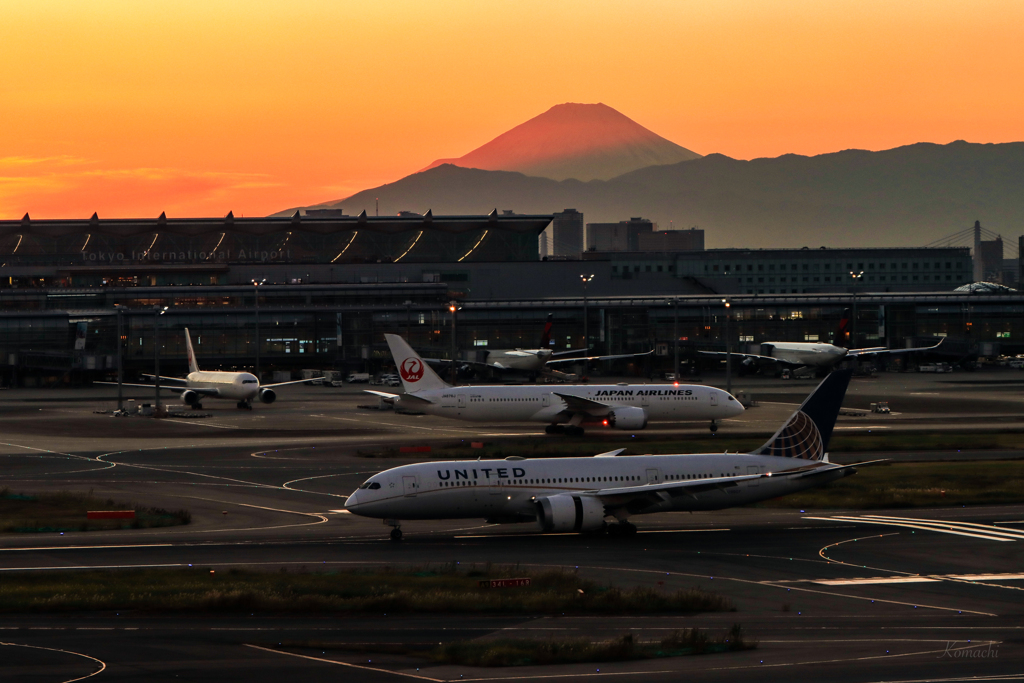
{"points": [[545, 338], [843, 333]]}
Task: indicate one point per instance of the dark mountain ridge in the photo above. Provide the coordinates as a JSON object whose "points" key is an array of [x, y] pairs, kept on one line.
{"points": [[904, 196]]}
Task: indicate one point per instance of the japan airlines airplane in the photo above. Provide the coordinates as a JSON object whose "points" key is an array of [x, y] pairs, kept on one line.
{"points": [[820, 356], [602, 492], [242, 387], [564, 409], [535, 361]]}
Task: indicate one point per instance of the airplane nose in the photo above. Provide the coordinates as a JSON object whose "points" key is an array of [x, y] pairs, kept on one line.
{"points": [[352, 500]]}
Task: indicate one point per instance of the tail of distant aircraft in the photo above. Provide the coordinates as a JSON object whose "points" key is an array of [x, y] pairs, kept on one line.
{"points": [[545, 339], [843, 333], [192, 365], [416, 375], [806, 434]]}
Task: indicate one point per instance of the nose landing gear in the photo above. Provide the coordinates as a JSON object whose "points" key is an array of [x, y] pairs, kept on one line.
{"points": [[396, 531], [714, 426]]}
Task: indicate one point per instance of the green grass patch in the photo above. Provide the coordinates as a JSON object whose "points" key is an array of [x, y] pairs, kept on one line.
{"points": [[917, 484], [504, 652], [842, 442], [377, 591], [66, 511]]}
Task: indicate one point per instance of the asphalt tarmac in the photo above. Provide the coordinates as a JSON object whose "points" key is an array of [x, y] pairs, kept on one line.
{"points": [[835, 595]]}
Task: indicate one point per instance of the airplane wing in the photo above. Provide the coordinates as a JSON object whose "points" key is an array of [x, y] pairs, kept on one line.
{"points": [[581, 404], [853, 353], [294, 381], [390, 398], [566, 353], [579, 358], [751, 358], [202, 391], [166, 379], [638, 498]]}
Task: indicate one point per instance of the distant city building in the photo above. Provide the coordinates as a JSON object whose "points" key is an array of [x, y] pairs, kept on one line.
{"points": [[800, 271], [621, 236], [566, 234], [988, 257]]}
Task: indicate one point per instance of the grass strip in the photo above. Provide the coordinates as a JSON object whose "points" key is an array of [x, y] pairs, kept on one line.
{"points": [[916, 484], [505, 652], [444, 589], [66, 511], [844, 442]]}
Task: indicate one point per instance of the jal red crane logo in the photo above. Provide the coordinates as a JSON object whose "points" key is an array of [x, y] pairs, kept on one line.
{"points": [[411, 370]]}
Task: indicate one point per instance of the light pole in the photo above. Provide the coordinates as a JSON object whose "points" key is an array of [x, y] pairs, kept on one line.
{"points": [[453, 306], [586, 338], [120, 364], [256, 291], [408, 313], [728, 350], [853, 322], [157, 312], [675, 339]]}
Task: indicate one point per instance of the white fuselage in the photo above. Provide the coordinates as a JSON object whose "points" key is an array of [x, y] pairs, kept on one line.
{"points": [[510, 488], [807, 353], [236, 386], [530, 403]]}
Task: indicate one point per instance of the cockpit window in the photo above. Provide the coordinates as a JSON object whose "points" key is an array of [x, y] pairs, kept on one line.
{"points": [[372, 485], [250, 381]]}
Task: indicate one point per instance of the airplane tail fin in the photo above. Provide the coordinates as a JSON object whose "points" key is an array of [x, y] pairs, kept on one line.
{"points": [[415, 374], [843, 332], [192, 365], [806, 434], [545, 339]]}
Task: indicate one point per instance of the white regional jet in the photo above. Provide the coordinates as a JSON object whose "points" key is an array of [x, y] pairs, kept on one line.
{"points": [[821, 356], [564, 409], [242, 387], [602, 492]]}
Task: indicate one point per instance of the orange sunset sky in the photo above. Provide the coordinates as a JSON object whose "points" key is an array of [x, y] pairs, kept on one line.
{"points": [[196, 108]]}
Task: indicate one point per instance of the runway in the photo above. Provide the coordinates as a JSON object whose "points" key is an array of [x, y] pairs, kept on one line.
{"points": [[891, 595]]}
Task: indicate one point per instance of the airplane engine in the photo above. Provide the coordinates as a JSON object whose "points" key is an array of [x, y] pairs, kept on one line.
{"points": [[567, 512], [267, 396], [190, 397], [627, 418]]}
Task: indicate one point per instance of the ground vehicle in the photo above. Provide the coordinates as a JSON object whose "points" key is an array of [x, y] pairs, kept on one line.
{"points": [[881, 407], [358, 378]]}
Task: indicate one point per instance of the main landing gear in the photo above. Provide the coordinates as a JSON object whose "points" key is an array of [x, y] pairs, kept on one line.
{"points": [[244, 405], [195, 406], [568, 430], [623, 528], [714, 426]]}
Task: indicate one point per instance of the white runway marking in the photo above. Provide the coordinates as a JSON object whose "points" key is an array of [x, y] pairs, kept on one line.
{"points": [[101, 664], [874, 580], [985, 532]]}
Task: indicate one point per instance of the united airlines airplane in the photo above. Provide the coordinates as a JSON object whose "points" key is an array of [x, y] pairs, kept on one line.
{"points": [[597, 493], [565, 409]]}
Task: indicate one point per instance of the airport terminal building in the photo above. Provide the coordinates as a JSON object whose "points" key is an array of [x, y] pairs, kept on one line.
{"points": [[325, 288]]}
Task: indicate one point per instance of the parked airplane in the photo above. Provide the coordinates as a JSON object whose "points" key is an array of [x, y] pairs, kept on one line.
{"points": [[242, 387], [821, 356], [535, 361], [602, 492], [564, 409]]}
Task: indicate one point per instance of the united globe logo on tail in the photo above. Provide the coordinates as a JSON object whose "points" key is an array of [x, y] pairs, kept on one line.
{"points": [[799, 438], [411, 370]]}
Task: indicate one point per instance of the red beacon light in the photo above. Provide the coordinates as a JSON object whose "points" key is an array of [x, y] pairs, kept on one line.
{"points": [[604, 422]]}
